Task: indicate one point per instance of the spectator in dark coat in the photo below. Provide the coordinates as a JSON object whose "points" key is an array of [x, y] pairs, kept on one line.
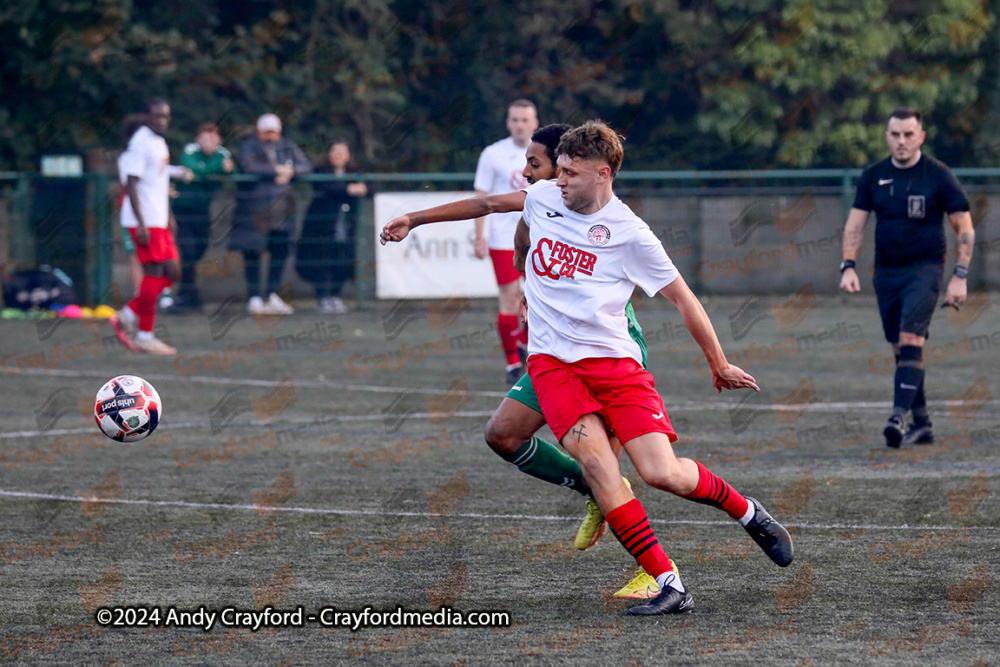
{"points": [[325, 254], [265, 210]]}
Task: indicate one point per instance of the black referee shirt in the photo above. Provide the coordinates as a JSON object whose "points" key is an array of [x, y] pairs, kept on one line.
{"points": [[909, 207]]}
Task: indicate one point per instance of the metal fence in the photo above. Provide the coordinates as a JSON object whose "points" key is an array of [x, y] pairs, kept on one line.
{"points": [[729, 232]]}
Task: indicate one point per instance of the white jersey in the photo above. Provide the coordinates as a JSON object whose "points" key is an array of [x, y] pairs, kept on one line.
{"points": [[499, 173], [148, 158], [581, 271]]}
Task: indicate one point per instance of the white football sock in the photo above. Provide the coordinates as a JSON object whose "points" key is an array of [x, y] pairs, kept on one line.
{"points": [[144, 335], [128, 313], [671, 579], [748, 517]]}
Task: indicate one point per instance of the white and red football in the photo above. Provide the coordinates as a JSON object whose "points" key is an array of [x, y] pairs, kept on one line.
{"points": [[127, 408]]}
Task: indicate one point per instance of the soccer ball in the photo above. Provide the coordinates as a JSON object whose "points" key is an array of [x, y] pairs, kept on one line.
{"points": [[127, 408]]}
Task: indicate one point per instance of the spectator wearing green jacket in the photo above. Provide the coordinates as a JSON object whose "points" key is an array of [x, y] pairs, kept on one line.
{"points": [[205, 157]]}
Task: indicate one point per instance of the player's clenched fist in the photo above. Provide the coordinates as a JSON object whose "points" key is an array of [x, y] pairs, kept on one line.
{"points": [[849, 281], [395, 230], [733, 377]]}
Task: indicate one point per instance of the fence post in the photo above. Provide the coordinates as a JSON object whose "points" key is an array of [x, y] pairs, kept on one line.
{"points": [[364, 252], [22, 242], [99, 232], [846, 200]]}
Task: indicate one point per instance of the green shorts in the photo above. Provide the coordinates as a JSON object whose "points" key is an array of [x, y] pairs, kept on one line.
{"points": [[524, 392], [127, 242]]}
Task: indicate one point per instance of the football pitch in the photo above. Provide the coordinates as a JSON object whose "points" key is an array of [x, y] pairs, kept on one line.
{"points": [[321, 462]]}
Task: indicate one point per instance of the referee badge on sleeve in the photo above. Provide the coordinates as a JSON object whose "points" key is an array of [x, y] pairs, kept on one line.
{"points": [[916, 206]]}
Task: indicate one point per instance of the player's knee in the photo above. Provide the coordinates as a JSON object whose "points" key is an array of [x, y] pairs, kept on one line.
{"points": [[502, 440], [665, 478]]}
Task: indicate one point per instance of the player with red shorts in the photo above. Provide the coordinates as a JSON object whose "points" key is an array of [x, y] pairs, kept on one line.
{"points": [[586, 252], [144, 170], [499, 171], [607, 384]]}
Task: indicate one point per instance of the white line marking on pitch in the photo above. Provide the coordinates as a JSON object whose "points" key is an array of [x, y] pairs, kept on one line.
{"points": [[672, 405], [291, 425], [464, 515]]}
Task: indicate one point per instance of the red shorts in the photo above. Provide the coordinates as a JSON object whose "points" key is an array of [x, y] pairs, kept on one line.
{"points": [[161, 246], [620, 390], [503, 266]]}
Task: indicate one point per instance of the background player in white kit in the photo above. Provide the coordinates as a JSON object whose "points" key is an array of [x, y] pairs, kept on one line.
{"points": [[144, 170], [499, 172]]}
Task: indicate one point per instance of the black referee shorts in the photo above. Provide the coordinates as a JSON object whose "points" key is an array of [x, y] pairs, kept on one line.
{"points": [[907, 296]]}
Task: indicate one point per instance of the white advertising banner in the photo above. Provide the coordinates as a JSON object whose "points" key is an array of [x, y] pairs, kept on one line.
{"points": [[434, 261]]}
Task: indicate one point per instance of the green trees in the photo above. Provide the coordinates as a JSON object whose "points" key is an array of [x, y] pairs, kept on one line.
{"points": [[422, 86]]}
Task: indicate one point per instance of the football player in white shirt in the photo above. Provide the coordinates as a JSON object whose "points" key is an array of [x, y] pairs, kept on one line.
{"points": [[499, 171], [144, 171], [511, 430], [586, 252]]}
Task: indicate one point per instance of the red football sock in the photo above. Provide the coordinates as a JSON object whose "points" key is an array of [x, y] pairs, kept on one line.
{"points": [[507, 327], [144, 304], [631, 526], [522, 336], [713, 490]]}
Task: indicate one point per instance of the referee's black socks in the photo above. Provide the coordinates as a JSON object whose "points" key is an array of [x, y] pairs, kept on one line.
{"points": [[909, 379]]}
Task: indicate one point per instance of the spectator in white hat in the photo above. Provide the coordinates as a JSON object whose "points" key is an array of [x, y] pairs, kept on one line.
{"points": [[265, 210]]}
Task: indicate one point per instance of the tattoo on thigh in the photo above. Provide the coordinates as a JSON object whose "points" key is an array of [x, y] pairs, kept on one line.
{"points": [[580, 432]]}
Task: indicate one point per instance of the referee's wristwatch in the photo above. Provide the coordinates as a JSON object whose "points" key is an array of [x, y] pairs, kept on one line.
{"points": [[847, 264]]}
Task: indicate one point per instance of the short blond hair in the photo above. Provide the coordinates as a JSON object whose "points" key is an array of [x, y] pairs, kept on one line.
{"points": [[594, 140]]}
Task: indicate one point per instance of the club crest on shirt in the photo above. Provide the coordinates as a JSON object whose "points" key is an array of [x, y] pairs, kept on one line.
{"points": [[599, 235], [915, 206]]}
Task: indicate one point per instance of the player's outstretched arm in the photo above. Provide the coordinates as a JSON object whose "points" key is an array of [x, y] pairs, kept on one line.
{"points": [[724, 374], [853, 234], [476, 207]]}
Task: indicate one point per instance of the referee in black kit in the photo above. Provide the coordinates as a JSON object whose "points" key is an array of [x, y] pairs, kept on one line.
{"points": [[910, 193]]}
